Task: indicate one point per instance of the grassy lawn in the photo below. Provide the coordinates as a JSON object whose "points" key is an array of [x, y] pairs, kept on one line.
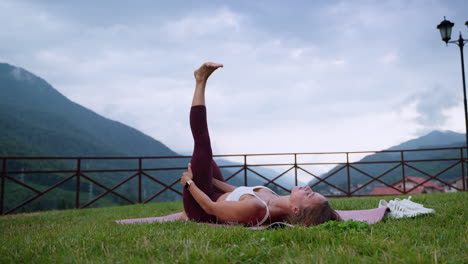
{"points": [[90, 235]]}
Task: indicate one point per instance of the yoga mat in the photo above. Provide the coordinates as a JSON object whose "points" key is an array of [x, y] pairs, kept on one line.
{"points": [[370, 216], [159, 219]]}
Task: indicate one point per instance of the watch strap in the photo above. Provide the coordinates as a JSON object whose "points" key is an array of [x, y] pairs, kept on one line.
{"points": [[188, 183]]}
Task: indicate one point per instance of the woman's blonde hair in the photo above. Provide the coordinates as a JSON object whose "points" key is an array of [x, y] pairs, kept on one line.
{"points": [[315, 215]]}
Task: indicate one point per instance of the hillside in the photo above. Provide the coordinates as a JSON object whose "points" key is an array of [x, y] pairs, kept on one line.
{"points": [[31, 104], [434, 139]]}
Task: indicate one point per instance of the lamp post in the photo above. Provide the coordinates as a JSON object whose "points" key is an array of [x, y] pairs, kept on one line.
{"points": [[445, 28]]}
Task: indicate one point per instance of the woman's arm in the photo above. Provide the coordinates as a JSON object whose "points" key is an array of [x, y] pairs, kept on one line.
{"points": [[222, 186], [247, 211], [202, 199]]}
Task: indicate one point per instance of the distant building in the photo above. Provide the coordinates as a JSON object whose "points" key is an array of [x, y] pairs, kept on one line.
{"points": [[388, 190], [410, 183], [457, 183]]}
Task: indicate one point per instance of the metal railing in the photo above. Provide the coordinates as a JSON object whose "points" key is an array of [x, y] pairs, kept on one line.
{"points": [[10, 172]]}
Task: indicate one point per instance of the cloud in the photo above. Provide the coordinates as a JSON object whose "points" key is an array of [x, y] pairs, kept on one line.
{"points": [[20, 74], [27, 22], [431, 106], [202, 25], [389, 58], [339, 62], [455, 116], [351, 83]]}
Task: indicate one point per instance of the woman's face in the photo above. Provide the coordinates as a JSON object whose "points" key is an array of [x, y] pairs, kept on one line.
{"points": [[305, 197]]}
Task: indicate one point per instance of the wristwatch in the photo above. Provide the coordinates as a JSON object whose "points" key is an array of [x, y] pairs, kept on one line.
{"points": [[187, 184]]}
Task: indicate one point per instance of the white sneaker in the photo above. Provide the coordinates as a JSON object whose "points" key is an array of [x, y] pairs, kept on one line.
{"points": [[415, 206], [410, 204], [383, 203], [406, 208]]}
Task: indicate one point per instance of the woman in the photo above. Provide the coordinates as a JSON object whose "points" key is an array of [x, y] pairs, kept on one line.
{"points": [[207, 198]]}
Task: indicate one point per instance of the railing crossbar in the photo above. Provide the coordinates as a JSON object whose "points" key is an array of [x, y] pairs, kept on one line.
{"points": [[111, 189], [279, 176], [324, 179], [163, 190], [22, 184], [40, 194], [232, 176], [321, 180], [431, 177], [378, 178], [280, 186], [104, 187], [162, 183]]}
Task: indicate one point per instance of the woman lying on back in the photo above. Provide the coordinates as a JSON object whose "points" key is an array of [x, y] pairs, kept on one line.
{"points": [[207, 198]]}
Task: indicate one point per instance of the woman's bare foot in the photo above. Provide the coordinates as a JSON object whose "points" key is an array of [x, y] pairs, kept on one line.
{"points": [[202, 73], [183, 216]]}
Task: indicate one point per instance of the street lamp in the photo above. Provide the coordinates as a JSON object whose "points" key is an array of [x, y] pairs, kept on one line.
{"points": [[445, 28]]}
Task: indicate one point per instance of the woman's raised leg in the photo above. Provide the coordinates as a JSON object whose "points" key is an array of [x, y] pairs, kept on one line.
{"points": [[202, 158]]}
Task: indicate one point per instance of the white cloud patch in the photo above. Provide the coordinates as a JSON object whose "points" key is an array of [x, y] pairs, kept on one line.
{"points": [[202, 25], [296, 52], [455, 116], [431, 106], [389, 58], [20, 74], [339, 62]]}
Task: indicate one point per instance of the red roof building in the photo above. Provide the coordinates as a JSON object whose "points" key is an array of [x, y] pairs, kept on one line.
{"points": [[458, 183], [410, 183]]}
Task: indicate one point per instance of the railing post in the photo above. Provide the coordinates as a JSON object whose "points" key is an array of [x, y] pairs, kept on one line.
{"points": [[349, 175], [78, 173], [463, 169], [403, 170], [139, 180], [2, 194], [245, 170], [295, 169]]}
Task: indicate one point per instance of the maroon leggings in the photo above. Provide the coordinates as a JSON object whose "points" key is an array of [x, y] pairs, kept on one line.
{"points": [[204, 168]]}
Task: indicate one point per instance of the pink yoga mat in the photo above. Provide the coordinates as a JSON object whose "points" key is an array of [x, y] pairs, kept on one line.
{"points": [[159, 219], [370, 216]]}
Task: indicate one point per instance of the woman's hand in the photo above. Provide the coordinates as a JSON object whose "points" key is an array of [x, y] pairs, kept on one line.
{"points": [[186, 176]]}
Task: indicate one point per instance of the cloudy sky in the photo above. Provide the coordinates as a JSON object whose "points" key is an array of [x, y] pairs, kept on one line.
{"points": [[299, 76]]}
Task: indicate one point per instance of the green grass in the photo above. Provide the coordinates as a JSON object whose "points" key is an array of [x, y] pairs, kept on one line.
{"points": [[90, 235]]}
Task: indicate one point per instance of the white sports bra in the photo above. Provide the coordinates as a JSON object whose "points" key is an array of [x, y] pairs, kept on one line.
{"points": [[242, 190]]}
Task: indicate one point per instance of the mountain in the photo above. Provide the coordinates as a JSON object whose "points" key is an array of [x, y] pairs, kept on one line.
{"points": [[38, 121], [30, 102], [435, 139]]}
